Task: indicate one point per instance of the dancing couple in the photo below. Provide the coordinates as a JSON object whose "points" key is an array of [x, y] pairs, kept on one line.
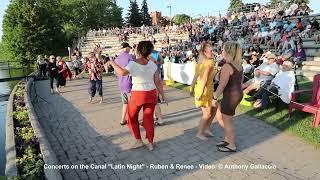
{"points": [[231, 78]]}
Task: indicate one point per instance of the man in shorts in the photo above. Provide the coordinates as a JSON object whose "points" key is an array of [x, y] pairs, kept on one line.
{"points": [[125, 82]]}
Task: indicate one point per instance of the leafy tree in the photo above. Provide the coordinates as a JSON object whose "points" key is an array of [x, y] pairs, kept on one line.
{"points": [[134, 17], [235, 5], [31, 27], [146, 18], [181, 19], [82, 15]]}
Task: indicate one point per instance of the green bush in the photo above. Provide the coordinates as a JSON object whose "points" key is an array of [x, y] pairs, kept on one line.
{"points": [[26, 134], [19, 92], [30, 165], [29, 158], [21, 116]]}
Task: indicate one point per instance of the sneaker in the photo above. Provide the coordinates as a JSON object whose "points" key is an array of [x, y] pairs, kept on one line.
{"points": [[257, 104]]}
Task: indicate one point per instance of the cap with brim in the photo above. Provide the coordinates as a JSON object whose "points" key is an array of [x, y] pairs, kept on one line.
{"points": [[125, 45]]}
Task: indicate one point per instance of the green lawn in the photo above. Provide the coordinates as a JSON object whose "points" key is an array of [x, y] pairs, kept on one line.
{"points": [[277, 115]]}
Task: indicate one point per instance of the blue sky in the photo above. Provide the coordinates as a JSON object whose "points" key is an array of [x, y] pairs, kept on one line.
{"points": [[190, 7]]}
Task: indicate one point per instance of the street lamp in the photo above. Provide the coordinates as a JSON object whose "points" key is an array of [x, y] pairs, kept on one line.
{"points": [[169, 6]]}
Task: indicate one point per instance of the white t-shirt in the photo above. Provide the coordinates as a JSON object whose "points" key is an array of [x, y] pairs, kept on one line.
{"points": [[142, 75], [272, 68], [285, 80]]}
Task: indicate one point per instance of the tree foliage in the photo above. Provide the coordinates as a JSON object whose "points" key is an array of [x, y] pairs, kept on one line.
{"points": [[235, 5], [181, 19], [81, 15], [134, 17], [146, 18], [31, 27]]}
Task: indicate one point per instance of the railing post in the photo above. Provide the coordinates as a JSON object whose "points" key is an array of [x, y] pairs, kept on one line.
{"points": [[9, 69]]}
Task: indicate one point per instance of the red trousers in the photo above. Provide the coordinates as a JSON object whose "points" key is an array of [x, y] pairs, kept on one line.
{"points": [[146, 100]]}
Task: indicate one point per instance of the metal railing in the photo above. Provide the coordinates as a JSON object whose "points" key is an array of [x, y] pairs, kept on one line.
{"points": [[15, 70]]}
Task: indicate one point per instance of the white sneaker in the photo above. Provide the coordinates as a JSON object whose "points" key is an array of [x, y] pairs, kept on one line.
{"points": [[257, 104]]}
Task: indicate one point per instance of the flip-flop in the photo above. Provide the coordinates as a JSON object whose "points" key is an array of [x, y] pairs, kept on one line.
{"points": [[123, 123], [158, 123], [226, 149], [222, 144]]}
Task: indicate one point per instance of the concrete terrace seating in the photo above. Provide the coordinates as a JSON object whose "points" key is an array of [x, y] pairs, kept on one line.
{"points": [[111, 44]]}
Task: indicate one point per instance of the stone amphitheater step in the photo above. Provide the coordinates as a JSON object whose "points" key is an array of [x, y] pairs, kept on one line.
{"points": [[311, 68], [311, 63], [309, 74]]}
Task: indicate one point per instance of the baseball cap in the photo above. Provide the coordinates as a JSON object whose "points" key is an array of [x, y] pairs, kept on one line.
{"points": [[125, 45]]}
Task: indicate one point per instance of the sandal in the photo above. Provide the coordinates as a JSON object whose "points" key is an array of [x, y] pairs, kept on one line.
{"points": [[158, 123], [222, 144], [123, 123], [226, 149]]}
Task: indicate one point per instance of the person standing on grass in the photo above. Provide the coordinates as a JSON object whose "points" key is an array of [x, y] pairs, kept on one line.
{"points": [[202, 90], [145, 80], [231, 78], [158, 60], [125, 82]]}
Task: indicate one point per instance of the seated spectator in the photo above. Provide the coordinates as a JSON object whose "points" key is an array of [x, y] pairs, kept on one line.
{"points": [[299, 56], [275, 38], [303, 10], [292, 9], [287, 42], [263, 74], [247, 69], [273, 23], [286, 54], [282, 84], [254, 60], [299, 25], [317, 38], [315, 24]]}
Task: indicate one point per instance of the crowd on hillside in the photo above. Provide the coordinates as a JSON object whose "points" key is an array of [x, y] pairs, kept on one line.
{"points": [[270, 39]]}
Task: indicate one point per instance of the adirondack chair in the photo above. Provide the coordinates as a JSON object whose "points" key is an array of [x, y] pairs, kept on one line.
{"points": [[310, 107]]}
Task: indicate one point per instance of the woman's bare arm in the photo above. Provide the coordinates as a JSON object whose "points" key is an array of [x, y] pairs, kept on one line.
{"points": [[118, 69], [225, 73]]}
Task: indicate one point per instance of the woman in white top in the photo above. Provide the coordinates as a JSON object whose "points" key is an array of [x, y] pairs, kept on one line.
{"points": [[145, 80]]}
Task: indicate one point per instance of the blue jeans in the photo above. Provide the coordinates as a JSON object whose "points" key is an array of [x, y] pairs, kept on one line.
{"points": [[94, 86]]}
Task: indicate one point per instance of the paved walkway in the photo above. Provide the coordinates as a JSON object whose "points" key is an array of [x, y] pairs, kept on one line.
{"points": [[85, 134]]}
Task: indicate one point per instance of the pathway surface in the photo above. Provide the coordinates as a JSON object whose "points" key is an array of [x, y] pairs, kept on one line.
{"points": [[85, 134]]}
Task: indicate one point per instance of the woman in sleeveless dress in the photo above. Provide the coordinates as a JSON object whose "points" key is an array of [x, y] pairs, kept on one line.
{"points": [[231, 78], [202, 88]]}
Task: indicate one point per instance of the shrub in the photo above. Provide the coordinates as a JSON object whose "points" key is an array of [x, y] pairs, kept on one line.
{"points": [[30, 165]]}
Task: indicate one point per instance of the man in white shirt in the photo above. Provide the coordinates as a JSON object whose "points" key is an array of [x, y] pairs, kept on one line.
{"points": [[263, 74], [282, 84]]}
